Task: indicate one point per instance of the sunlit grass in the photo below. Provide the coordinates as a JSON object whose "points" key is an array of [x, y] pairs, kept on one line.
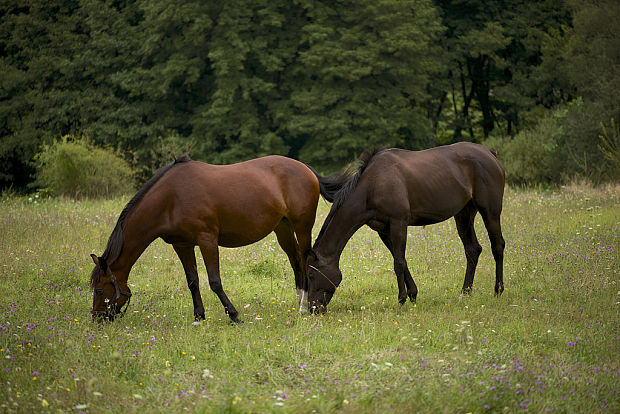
{"points": [[551, 342]]}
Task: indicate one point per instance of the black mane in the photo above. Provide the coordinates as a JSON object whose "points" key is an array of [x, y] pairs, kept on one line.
{"points": [[343, 194], [116, 240]]}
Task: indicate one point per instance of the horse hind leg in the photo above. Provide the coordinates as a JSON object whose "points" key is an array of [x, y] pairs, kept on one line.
{"points": [[465, 226], [493, 224], [188, 259], [288, 243]]}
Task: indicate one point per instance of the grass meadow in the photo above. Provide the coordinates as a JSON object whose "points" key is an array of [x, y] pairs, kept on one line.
{"points": [[551, 343]]}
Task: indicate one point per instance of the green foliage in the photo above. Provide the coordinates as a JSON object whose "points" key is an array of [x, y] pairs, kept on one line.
{"points": [[493, 48], [593, 51], [74, 168], [365, 64], [533, 155], [610, 146], [316, 81], [555, 151], [161, 152]]}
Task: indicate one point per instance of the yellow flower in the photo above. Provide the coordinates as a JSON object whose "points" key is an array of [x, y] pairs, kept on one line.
{"points": [[44, 403]]}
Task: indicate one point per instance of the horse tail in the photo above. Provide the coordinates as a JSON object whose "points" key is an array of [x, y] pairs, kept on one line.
{"points": [[348, 177], [331, 184]]}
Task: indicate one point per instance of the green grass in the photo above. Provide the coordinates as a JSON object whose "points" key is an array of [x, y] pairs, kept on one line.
{"points": [[551, 342]]}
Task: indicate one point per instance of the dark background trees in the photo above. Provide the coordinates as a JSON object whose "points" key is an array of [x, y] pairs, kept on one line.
{"points": [[317, 81]]}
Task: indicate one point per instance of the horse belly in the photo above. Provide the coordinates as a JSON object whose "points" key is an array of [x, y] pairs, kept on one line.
{"points": [[437, 204], [244, 229]]}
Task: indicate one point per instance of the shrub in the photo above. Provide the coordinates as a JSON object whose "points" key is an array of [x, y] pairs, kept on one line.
{"points": [[75, 168], [610, 147], [532, 156], [565, 145]]}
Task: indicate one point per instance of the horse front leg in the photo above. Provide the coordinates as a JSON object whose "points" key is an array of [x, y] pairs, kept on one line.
{"points": [[188, 259], [210, 254], [412, 289], [398, 242]]}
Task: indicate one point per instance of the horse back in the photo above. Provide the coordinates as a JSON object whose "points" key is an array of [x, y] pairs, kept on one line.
{"points": [[433, 185], [241, 203]]}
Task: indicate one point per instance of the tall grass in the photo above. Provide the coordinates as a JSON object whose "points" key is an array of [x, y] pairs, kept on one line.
{"points": [[551, 342]]}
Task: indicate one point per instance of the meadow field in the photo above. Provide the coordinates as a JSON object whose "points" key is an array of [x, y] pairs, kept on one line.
{"points": [[551, 343]]}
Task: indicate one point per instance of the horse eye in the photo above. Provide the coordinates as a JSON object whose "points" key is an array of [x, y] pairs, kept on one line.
{"points": [[99, 291]]}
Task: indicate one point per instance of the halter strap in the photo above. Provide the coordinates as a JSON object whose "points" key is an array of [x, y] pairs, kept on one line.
{"points": [[118, 292], [323, 274]]}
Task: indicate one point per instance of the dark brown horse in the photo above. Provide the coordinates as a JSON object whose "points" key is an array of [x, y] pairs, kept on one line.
{"points": [[393, 189], [191, 203]]}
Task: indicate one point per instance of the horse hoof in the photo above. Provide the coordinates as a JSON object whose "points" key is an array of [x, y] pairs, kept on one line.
{"points": [[236, 321], [466, 292]]}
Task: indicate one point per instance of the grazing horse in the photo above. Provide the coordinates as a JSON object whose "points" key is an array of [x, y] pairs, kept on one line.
{"points": [[393, 189], [191, 203]]}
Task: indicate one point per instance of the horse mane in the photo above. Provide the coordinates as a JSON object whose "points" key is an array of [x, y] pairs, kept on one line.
{"points": [[116, 240], [349, 177]]}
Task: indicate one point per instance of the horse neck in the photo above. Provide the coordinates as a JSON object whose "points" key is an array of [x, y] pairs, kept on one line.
{"points": [[351, 215], [136, 238]]}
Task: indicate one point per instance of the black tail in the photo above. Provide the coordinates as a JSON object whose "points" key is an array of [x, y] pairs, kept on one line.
{"points": [[331, 184]]}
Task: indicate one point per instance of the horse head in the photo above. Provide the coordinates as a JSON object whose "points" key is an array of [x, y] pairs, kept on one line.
{"points": [[108, 297], [323, 279]]}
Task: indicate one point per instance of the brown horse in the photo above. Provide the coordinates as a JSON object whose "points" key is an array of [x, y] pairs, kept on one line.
{"points": [[191, 203], [393, 189]]}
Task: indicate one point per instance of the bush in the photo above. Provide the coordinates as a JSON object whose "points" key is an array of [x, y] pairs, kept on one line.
{"points": [[73, 167], [610, 147], [532, 156], [565, 145]]}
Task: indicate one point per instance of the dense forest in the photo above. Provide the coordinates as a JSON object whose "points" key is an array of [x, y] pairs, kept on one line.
{"points": [[319, 81]]}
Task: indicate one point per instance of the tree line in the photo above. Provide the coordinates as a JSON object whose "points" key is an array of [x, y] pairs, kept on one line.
{"points": [[319, 81]]}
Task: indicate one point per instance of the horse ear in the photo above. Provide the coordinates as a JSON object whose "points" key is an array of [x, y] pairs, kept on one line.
{"points": [[100, 261]]}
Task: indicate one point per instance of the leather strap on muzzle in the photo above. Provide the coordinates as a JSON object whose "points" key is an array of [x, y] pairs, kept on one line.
{"points": [[117, 294], [323, 274]]}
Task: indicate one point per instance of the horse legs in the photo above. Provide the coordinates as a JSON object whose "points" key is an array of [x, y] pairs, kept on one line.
{"points": [[412, 289], [188, 259], [210, 254], [494, 227], [303, 233], [286, 239], [465, 226], [397, 240]]}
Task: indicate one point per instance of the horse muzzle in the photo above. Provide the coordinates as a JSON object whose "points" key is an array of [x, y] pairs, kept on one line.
{"points": [[318, 309], [101, 316]]}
